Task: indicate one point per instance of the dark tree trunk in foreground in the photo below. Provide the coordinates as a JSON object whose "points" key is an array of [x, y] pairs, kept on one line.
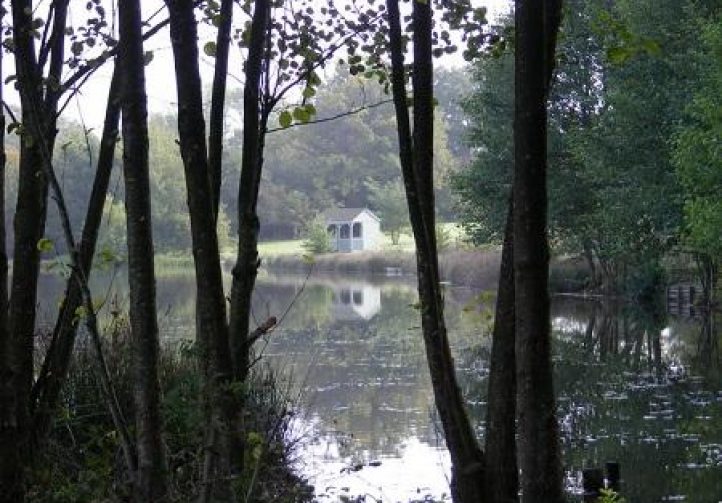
{"points": [[38, 104], [539, 454], [218, 101], [3, 249], [502, 476], [417, 167], [46, 391], [151, 477], [210, 305], [8, 472], [247, 262]]}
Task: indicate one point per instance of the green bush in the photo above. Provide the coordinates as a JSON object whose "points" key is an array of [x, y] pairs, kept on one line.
{"points": [[83, 460], [316, 239]]}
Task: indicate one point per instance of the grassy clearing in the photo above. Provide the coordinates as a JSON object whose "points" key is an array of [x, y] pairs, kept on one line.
{"points": [[405, 244], [275, 248]]}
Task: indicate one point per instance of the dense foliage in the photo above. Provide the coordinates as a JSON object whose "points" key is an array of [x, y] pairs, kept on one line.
{"points": [[635, 144]]}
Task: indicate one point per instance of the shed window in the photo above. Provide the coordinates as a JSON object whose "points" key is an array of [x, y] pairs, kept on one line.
{"points": [[345, 231], [357, 230], [358, 297]]}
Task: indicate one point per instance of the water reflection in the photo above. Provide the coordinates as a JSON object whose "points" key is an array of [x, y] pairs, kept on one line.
{"points": [[632, 389], [635, 386], [352, 301]]}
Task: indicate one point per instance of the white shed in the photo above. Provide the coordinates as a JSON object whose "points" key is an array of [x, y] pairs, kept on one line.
{"points": [[353, 229]]}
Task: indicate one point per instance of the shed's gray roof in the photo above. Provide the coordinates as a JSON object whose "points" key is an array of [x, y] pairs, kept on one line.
{"points": [[346, 214]]}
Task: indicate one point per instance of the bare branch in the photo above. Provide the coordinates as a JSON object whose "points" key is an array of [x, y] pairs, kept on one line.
{"points": [[333, 117]]}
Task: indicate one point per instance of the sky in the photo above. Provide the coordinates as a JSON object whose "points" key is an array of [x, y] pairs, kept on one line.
{"points": [[88, 106]]}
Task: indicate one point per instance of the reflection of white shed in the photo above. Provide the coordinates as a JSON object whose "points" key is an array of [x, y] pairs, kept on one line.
{"points": [[353, 229], [354, 301]]}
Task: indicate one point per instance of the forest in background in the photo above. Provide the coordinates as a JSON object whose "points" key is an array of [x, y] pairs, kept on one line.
{"points": [[350, 161]]}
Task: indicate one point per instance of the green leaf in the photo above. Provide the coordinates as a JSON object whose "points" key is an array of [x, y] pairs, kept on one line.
{"points": [[254, 438], [285, 119], [147, 57], [210, 49], [618, 55], [309, 92], [301, 114], [80, 312], [45, 245], [652, 47], [314, 79], [108, 256]]}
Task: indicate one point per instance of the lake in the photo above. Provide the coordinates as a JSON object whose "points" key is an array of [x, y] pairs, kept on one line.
{"points": [[637, 387]]}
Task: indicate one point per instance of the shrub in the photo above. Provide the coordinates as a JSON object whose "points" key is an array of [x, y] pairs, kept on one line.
{"points": [[83, 463], [317, 239]]}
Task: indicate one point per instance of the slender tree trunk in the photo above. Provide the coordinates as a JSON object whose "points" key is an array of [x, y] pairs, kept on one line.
{"points": [[210, 306], [10, 484], [539, 454], [3, 245], [38, 114], [417, 166], [247, 262], [502, 475], [152, 467], [218, 101], [46, 391], [589, 257]]}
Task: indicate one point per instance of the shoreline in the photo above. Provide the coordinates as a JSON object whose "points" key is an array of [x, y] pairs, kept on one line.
{"points": [[472, 268]]}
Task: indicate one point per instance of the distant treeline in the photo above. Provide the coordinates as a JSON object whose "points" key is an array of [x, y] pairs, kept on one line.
{"points": [[350, 161]]}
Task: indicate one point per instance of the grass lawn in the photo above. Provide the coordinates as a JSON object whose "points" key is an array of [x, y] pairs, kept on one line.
{"points": [[406, 243], [273, 248]]}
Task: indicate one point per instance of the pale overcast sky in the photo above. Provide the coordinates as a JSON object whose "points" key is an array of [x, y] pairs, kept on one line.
{"points": [[160, 73]]}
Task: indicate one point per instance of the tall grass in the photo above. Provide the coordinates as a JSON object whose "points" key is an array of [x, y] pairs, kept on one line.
{"points": [[462, 267], [83, 460]]}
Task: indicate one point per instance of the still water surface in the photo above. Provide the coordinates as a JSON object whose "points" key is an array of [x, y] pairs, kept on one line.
{"points": [[636, 387]]}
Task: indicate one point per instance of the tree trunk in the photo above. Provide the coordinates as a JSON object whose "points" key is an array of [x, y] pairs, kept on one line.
{"points": [[210, 305], [417, 166], [502, 473], [247, 262], [38, 114], [9, 473], [588, 253], [218, 101], [47, 388], [539, 454], [3, 249], [152, 467]]}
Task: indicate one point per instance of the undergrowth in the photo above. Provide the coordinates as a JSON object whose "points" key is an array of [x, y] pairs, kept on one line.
{"points": [[83, 460]]}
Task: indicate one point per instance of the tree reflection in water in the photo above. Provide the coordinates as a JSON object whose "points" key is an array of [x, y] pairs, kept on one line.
{"points": [[633, 385]]}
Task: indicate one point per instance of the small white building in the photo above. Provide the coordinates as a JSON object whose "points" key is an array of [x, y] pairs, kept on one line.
{"points": [[353, 229]]}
